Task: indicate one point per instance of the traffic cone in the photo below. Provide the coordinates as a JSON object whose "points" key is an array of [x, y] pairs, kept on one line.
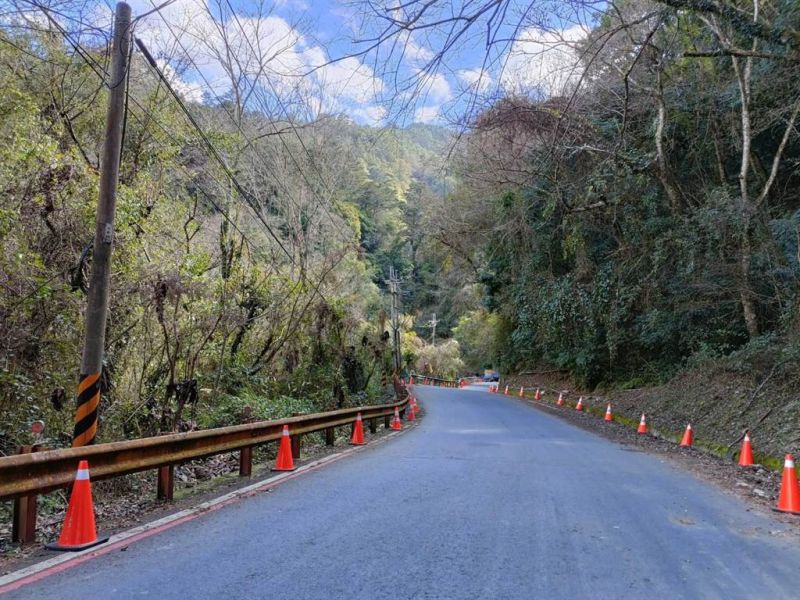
{"points": [[396, 424], [642, 425], [522, 392], [357, 438], [560, 401], [411, 413], [79, 530], [411, 380], [609, 416], [789, 500], [746, 455], [579, 405], [285, 461], [688, 437], [506, 392], [538, 395]]}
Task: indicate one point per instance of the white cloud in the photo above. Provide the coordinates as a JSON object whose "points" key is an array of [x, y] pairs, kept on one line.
{"points": [[544, 62], [266, 51], [350, 79], [370, 115], [298, 5], [434, 87], [191, 92], [426, 114], [416, 53], [476, 78]]}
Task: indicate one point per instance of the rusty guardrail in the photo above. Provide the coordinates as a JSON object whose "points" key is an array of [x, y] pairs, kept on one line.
{"points": [[44, 471], [437, 381]]}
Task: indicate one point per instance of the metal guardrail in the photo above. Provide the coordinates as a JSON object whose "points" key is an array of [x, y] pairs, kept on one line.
{"points": [[437, 381], [44, 471]]}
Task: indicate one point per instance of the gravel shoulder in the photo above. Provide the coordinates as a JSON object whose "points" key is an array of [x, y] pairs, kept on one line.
{"points": [[759, 486]]}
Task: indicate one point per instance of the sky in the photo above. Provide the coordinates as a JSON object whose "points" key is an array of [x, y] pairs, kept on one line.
{"points": [[284, 49]]}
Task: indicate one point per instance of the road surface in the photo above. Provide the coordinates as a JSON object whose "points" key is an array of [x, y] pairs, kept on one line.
{"points": [[486, 498]]}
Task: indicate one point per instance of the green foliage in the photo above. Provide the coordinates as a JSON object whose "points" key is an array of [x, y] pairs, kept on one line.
{"points": [[597, 259], [476, 334], [207, 315]]}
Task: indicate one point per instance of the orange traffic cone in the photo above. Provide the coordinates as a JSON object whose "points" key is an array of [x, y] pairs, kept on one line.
{"points": [[506, 392], [609, 416], [560, 401], [746, 455], [411, 380], [285, 461], [522, 392], [642, 425], [538, 395], [79, 529], [579, 405], [789, 500], [396, 424], [688, 437], [358, 432], [411, 412]]}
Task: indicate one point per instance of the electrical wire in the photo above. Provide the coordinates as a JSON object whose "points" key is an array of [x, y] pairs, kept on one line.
{"points": [[347, 238]]}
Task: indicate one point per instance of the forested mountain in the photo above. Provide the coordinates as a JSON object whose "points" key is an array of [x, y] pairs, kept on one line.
{"points": [[249, 259], [640, 217], [648, 217]]}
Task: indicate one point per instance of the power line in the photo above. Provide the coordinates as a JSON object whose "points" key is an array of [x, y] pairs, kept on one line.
{"points": [[290, 122], [212, 149], [99, 70], [101, 73], [238, 125], [157, 9], [219, 158]]}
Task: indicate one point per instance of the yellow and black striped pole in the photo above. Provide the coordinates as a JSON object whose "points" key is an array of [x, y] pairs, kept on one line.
{"points": [[86, 412]]}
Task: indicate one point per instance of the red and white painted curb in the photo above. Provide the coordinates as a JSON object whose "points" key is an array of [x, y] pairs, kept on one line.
{"points": [[62, 562]]}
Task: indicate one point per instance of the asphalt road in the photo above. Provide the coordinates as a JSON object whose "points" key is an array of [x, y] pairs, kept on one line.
{"points": [[487, 498]]}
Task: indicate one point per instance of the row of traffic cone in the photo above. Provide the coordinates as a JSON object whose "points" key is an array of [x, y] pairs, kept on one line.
{"points": [[789, 499], [80, 531]]}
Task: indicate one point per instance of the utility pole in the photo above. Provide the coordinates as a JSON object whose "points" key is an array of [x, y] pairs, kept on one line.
{"points": [[97, 304], [432, 323], [394, 289]]}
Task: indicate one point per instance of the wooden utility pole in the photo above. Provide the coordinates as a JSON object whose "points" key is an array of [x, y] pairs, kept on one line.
{"points": [[394, 290], [432, 323], [97, 305]]}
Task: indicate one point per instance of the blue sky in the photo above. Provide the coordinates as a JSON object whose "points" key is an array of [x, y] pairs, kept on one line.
{"points": [[286, 46]]}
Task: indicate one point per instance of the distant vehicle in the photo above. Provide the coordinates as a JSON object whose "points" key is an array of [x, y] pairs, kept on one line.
{"points": [[491, 377]]}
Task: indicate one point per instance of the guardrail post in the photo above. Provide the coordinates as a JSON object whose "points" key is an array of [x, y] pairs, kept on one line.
{"points": [[387, 421], [373, 425], [330, 436], [166, 482], [23, 528], [296, 446], [246, 461]]}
